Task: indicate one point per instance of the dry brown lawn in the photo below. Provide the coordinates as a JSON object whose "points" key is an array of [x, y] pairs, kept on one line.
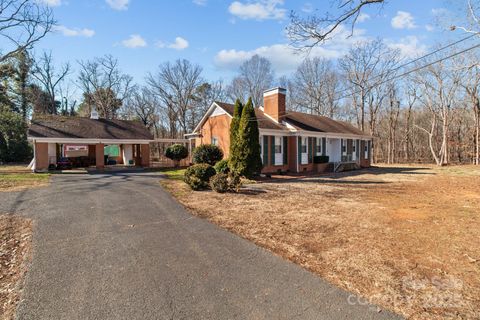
{"points": [[15, 244], [405, 237]]}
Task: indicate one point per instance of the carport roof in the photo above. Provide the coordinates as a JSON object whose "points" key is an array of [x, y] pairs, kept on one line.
{"points": [[62, 127]]}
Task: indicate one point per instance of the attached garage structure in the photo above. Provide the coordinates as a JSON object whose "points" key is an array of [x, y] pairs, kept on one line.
{"points": [[88, 140]]}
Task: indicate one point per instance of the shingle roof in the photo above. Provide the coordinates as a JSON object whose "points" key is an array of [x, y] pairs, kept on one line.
{"points": [[53, 126], [301, 121], [310, 122]]}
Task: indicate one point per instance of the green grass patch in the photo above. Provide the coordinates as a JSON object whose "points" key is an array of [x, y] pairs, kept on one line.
{"points": [[13, 181], [174, 174]]}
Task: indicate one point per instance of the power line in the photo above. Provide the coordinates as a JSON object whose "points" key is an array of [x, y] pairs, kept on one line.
{"points": [[413, 70], [419, 58]]}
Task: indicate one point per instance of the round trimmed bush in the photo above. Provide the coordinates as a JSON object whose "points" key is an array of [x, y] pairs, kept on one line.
{"points": [[176, 152], [222, 166], [207, 153], [198, 176], [219, 183]]}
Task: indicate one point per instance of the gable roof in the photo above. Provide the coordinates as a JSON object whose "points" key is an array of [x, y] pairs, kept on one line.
{"points": [[293, 121], [54, 126]]}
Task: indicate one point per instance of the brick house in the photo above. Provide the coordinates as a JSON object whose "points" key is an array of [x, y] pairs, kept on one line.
{"points": [[289, 140], [56, 136]]}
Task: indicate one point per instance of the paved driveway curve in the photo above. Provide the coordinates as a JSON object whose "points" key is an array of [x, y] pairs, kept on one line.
{"points": [[119, 247]]}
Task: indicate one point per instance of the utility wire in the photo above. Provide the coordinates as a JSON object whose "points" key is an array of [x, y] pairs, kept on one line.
{"points": [[417, 59], [410, 71]]}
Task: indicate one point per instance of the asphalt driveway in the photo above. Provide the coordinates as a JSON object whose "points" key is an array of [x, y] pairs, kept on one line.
{"points": [[119, 247]]}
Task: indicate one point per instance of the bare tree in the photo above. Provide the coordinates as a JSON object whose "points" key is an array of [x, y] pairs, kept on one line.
{"points": [[142, 104], [256, 76], [471, 84], [410, 94], [393, 112], [439, 85], [316, 87], [22, 24], [365, 68], [470, 21], [175, 86], [49, 78], [204, 96], [104, 85], [308, 32]]}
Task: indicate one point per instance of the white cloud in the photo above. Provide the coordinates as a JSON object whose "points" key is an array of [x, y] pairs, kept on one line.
{"points": [[118, 4], [362, 17], [200, 2], [76, 32], [308, 8], [429, 28], [284, 58], [52, 3], [403, 20], [259, 10], [410, 47], [179, 44], [134, 41]]}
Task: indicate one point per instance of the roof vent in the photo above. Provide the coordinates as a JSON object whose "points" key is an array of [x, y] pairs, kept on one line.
{"points": [[94, 114]]}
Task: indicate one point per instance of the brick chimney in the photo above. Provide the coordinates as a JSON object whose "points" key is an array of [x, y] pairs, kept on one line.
{"points": [[274, 103]]}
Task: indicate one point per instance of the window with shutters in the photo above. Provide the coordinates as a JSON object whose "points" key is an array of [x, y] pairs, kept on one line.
{"points": [[318, 146], [366, 150], [304, 144], [278, 151], [278, 144], [215, 141], [304, 150]]}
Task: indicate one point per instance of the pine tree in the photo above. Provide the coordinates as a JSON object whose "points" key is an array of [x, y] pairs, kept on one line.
{"points": [[234, 134], [248, 142]]}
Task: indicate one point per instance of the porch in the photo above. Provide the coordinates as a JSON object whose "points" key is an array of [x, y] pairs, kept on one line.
{"points": [[86, 154], [305, 153]]}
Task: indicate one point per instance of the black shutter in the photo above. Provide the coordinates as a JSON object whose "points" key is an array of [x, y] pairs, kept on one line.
{"points": [[299, 147], [310, 151], [285, 150], [265, 150], [314, 147], [272, 149], [324, 146]]}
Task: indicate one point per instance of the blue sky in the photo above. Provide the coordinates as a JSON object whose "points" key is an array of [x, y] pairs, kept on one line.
{"points": [[219, 35]]}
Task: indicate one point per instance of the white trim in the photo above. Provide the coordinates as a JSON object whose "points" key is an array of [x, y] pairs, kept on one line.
{"points": [[207, 115], [274, 132], [218, 112], [89, 141], [332, 135], [268, 116], [172, 140], [276, 90]]}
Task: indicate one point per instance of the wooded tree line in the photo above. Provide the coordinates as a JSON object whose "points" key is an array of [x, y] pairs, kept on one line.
{"points": [[422, 112]]}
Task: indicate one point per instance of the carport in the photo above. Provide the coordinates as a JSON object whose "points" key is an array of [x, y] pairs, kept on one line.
{"points": [[83, 140]]}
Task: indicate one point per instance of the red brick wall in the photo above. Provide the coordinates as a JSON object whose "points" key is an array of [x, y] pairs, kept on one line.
{"points": [[99, 156], [274, 105], [145, 151], [219, 127], [41, 156]]}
